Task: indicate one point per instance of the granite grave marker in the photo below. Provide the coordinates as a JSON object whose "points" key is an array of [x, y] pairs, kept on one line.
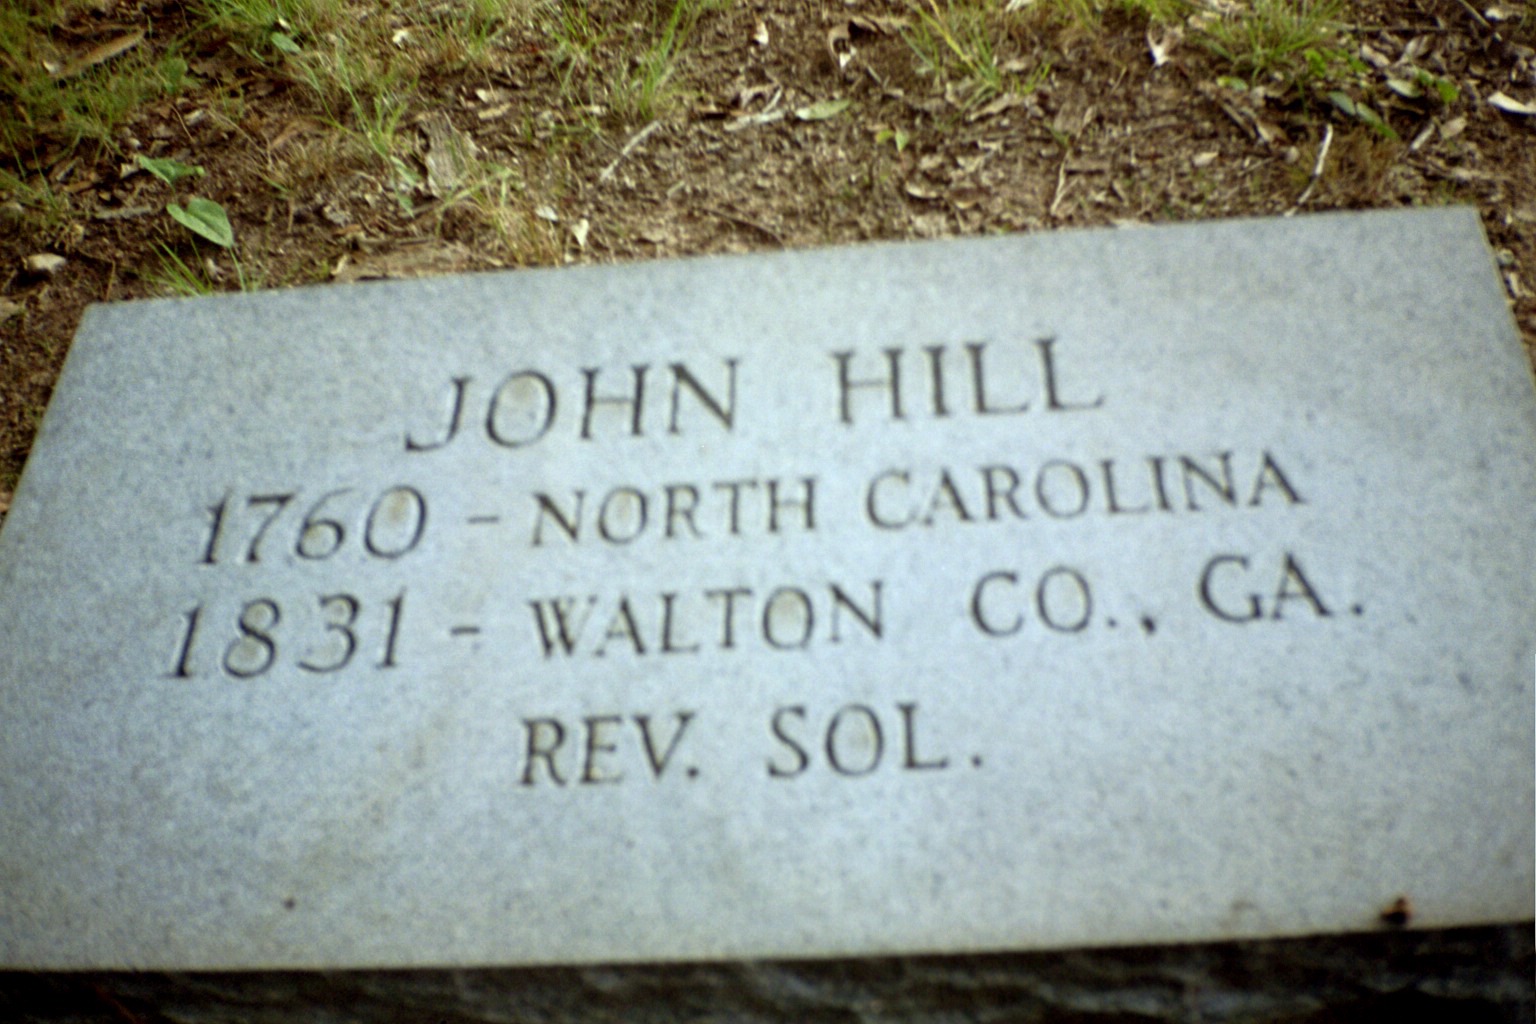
{"points": [[1098, 588]]}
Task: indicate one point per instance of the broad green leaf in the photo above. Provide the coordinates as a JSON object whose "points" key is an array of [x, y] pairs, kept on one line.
{"points": [[822, 110], [1375, 120], [167, 170], [205, 218], [283, 41], [1362, 113]]}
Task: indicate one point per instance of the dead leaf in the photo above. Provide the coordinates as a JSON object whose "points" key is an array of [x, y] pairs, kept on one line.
{"points": [[411, 260], [1205, 159], [996, 106], [44, 263], [753, 120], [967, 196], [1452, 128], [931, 225], [749, 94], [1075, 115], [1268, 131], [760, 33], [1161, 46], [1510, 105], [449, 154], [103, 53], [122, 213], [822, 110], [919, 191], [8, 309], [840, 44], [1416, 48], [1374, 58], [877, 24]]}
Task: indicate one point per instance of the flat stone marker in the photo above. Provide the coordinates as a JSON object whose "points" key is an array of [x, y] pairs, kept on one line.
{"points": [[1096, 588]]}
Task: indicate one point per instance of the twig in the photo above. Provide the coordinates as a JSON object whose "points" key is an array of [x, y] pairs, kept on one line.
{"points": [[726, 215], [629, 147], [1477, 17], [1317, 170], [1061, 186]]}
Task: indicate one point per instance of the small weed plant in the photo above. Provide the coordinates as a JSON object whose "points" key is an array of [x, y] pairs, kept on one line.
{"points": [[1272, 38]]}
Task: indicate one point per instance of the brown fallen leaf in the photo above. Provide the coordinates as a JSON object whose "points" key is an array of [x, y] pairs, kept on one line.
{"points": [[410, 260], [966, 197], [450, 154], [995, 106], [101, 54], [877, 24]]}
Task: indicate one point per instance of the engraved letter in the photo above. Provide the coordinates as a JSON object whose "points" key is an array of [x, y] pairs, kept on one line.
{"points": [[636, 405], [454, 416], [660, 761], [725, 413], [591, 772], [1053, 400], [528, 413], [545, 735], [983, 622], [802, 759], [910, 760], [1254, 609], [901, 477], [846, 384], [1295, 587]]}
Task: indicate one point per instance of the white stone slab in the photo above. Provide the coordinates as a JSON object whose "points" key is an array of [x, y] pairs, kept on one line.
{"points": [[1229, 633]]}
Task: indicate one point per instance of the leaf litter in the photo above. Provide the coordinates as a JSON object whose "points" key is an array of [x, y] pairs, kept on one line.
{"points": [[786, 124]]}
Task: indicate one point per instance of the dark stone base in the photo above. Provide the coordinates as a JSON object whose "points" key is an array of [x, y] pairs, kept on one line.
{"points": [[1467, 975]]}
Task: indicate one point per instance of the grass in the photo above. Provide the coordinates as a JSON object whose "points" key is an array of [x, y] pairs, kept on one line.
{"points": [[175, 277], [1090, 14], [1272, 38], [619, 64], [955, 43], [622, 66], [970, 48], [55, 103]]}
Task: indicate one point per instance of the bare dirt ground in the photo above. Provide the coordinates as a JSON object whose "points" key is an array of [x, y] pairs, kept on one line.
{"points": [[1119, 123]]}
